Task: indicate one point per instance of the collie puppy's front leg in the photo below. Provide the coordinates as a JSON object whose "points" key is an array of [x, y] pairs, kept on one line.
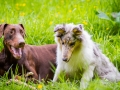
{"points": [[87, 76], [57, 73]]}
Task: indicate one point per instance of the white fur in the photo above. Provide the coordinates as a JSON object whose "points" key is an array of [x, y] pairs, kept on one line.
{"points": [[89, 58]]}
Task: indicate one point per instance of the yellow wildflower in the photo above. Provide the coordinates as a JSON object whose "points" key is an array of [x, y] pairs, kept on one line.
{"points": [[84, 22], [70, 11], [2, 20], [68, 18], [107, 28], [95, 7], [88, 0], [22, 14], [58, 12], [39, 86], [50, 22], [23, 4], [17, 4]]}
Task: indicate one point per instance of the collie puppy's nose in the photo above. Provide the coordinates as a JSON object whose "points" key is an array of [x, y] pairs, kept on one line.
{"points": [[64, 59]]}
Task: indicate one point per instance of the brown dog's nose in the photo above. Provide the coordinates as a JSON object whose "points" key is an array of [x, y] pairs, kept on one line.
{"points": [[21, 44], [64, 59]]}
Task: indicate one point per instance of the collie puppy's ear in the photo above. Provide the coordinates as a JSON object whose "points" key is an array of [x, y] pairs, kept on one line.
{"points": [[2, 28], [59, 30], [78, 29]]}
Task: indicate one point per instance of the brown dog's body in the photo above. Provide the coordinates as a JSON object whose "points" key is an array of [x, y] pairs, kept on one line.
{"points": [[36, 59]]}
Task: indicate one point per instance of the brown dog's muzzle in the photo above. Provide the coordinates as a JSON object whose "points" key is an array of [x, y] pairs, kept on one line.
{"points": [[21, 43], [15, 46]]}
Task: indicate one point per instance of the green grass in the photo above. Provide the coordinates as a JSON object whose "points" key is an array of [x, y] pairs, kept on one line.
{"points": [[39, 18]]}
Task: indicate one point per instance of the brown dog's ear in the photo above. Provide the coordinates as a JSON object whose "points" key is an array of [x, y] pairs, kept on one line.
{"points": [[78, 30], [21, 25], [23, 28], [59, 30], [2, 28]]}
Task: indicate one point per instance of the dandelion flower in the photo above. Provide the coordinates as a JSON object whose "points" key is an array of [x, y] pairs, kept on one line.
{"points": [[50, 22], [17, 4], [23, 4], [68, 18], [2, 20], [107, 28], [58, 12], [95, 7], [39, 86], [88, 0], [22, 14], [70, 11], [84, 22]]}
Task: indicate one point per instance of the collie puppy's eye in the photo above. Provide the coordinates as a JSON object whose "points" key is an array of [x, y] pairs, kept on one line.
{"points": [[72, 44], [63, 43]]}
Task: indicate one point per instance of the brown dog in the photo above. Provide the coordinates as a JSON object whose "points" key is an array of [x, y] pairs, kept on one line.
{"points": [[36, 59]]}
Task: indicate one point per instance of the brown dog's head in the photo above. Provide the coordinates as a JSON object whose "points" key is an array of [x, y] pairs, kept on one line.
{"points": [[13, 38]]}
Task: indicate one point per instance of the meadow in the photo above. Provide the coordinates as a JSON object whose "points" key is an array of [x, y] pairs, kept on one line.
{"points": [[39, 18]]}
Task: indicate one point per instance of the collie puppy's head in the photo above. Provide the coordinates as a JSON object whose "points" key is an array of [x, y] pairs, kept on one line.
{"points": [[68, 37]]}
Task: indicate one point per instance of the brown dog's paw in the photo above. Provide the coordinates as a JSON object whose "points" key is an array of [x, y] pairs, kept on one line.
{"points": [[29, 74]]}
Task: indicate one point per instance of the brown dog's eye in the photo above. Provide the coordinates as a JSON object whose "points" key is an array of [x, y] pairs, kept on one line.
{"points": [[12, 31], [21, 32]]}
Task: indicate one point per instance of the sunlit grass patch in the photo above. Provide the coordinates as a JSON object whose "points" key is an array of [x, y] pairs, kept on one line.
{"points": [[40, 17]]}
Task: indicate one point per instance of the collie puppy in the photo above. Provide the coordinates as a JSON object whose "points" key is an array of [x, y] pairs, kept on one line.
{"points": [[76, 50]]}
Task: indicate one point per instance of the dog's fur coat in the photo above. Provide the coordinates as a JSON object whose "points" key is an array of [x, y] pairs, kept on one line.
{"points": [[39, 60], [76, 51]]}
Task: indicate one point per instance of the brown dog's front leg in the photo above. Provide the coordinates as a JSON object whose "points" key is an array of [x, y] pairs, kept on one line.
{"points": [[31, 69]]}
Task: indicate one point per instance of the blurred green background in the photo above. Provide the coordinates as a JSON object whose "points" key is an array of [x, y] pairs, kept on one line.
{"points": [[101, 18]]}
